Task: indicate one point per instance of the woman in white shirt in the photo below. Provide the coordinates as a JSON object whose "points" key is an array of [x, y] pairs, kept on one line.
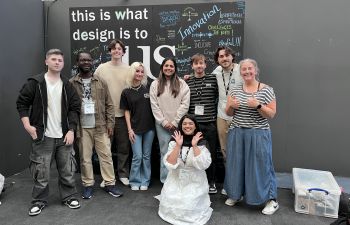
{"points": [[184, 198]]}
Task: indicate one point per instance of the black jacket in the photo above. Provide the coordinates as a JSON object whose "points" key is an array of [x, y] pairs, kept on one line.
{"points": [[32, 103]]}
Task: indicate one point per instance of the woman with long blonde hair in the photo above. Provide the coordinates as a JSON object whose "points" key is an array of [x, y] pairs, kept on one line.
{"points": [[140, 122]]}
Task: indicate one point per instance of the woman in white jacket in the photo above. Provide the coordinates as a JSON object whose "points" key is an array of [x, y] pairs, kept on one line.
{"points": [[184, 198]]}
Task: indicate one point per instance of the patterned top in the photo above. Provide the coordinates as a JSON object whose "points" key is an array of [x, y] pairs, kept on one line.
{"points": [[248, 117], [204, 92]]}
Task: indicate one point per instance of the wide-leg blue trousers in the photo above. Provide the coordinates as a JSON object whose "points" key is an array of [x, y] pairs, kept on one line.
{"points": [[249, 167]]}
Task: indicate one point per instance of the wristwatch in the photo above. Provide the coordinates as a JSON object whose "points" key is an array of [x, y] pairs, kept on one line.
{"points": [[259, 106]]}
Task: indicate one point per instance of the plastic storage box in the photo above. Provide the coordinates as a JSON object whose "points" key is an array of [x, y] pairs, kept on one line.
{"points": [[316, 192]]}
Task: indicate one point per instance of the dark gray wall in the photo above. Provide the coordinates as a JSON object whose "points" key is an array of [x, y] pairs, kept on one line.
{"points": [[302, 48], [21, 55]]}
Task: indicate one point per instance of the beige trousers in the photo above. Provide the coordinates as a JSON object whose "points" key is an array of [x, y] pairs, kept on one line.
{"points": [[89, 139], [222, 126]]}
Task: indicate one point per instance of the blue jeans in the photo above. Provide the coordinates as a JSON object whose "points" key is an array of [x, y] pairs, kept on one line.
{"points": [[249, 166], [140, 173], [164, 137]]}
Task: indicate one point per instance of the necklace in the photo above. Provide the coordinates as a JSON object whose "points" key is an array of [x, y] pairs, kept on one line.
{"points": [[136, 88]]}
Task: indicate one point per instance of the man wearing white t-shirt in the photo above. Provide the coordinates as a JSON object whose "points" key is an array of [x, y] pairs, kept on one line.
{"points": [[49, 108], [227, 76]]}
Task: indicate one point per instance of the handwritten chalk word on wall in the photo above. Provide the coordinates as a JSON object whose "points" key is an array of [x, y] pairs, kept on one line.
{"points": [[203, 20], [169, 18]]}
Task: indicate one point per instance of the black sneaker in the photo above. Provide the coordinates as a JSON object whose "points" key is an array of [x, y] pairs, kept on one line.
{"points": [[36, 209], [212, 189], [72, 203], [113, 190], [87, 192]]}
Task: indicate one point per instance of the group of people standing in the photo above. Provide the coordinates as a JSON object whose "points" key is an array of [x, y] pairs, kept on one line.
{"points": [[189, 116]]}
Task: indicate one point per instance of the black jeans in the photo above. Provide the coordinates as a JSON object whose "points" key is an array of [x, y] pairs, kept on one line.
{"points": [[43, 153], [210, 134], [122, 146]]}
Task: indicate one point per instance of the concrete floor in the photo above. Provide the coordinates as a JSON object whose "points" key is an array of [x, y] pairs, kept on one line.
{"points": [[134, 208]]}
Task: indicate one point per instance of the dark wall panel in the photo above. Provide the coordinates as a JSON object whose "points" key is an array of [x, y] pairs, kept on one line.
{"points": [[302, 50], [21, 47]]}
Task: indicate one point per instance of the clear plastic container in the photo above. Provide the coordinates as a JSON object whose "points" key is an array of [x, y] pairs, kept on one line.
{"points": [[316, 192]]}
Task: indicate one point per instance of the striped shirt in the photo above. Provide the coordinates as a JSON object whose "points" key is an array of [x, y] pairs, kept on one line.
{"points": [[204, 93], [248, 117]]}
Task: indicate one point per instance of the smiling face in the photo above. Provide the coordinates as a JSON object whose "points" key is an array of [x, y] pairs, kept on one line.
{"points": [[199, 66], [117, 52], [54, 63], [188, 126], [168, 69], [85, 63], [139, 73], [225, 59], [248, 71]]}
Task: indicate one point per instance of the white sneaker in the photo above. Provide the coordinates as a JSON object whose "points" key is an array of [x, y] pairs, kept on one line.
{"points": [[134, 188], [270, 208], [223, 192], [102, 185], [143, 188], [231, 202], [124, 180]]}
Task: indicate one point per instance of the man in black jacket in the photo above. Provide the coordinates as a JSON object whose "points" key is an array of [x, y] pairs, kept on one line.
{"points": [[49, 108]]}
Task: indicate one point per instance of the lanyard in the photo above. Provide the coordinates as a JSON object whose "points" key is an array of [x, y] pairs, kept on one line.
{"points": [[229, 80], [185, 158], [199, 92]]}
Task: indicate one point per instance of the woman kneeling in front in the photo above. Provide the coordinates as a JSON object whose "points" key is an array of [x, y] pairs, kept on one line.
{"points": [[184, 198]]}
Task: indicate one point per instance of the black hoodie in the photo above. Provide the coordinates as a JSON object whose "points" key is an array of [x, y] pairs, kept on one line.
{"points": [[32, 103]]}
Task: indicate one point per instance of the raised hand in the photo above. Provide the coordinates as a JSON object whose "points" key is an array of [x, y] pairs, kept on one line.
{"points": [[196, 138], [178, 137], [233, 102], [252, 102]]}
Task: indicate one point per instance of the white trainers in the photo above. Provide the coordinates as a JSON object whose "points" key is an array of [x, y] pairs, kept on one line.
{"points": [[231, 202], [223, 192], [143, 188], [124, 180], [102, 185], [135, 188], [270, 208]]}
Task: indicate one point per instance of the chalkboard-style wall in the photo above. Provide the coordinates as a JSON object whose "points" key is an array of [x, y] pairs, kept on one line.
{"points": [[154, 32]]}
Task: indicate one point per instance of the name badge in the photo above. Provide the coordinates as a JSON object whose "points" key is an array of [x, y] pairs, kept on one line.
{"points": [[199, 110], [89, 108]]}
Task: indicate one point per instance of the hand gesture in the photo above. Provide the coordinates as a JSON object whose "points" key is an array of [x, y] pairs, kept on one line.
{"points": [[69, 138], [233, 102], [169, 126], [196, 138], [31, 131], [110, 132], [178, 138], [252, 102], [132, 136]]}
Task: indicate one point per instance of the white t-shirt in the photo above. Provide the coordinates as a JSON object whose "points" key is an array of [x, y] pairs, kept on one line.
{"points": [[87, 119], [54, 119], [224, 88]]}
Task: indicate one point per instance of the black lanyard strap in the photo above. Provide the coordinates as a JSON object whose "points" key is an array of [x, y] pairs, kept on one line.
{"points": [[229, 80]]}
